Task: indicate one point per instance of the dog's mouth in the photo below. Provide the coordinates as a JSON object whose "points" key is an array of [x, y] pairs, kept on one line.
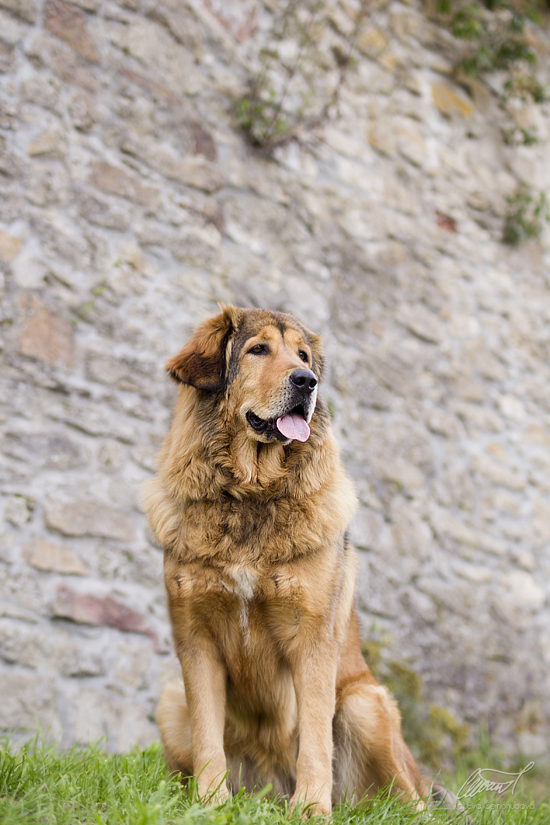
{"points": [[293, 425], [289, 427]]}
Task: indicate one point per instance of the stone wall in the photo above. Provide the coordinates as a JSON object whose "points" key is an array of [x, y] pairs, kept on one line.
{"points": [[130, 204]]}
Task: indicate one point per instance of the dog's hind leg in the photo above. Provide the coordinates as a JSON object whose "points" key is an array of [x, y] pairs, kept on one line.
{"points": [[369, 750], [175, 728]]}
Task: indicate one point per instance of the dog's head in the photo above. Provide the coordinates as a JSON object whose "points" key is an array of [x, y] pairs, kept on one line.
{"points": [[265, 364]]}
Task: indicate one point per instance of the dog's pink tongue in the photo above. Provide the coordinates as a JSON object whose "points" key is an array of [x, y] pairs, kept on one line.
{"points": [[293, 426]]}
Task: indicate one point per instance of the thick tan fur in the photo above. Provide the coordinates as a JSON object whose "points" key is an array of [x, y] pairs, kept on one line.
{"points": [[260, 582]]}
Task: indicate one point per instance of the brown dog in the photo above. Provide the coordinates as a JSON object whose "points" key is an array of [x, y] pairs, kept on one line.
{"points": [[251, 505]]}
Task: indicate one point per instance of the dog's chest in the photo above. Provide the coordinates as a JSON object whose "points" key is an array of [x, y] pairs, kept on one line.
{"points": [[245, 580], [237, 601]]}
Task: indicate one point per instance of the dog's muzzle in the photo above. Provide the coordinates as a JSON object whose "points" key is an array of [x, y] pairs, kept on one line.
{"points": [[295, 423], [296, 410]]}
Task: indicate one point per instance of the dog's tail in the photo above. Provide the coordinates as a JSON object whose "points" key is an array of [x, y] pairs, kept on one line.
{"points": [[448, 800]]}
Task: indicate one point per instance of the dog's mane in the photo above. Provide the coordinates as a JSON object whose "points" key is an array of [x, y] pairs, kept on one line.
{"points": [[214, 472], [204, 456]]}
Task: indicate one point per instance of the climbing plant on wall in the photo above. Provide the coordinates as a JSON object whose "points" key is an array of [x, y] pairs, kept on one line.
{"points": [[496, 32], [299, 80], [496, 36]]}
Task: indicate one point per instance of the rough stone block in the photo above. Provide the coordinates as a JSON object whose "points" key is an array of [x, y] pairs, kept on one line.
{"points": [[445, 523], [9, 163], [25, 9], [7, 541], [475, 573], [50, 143], [133, 664], [44, 333], [512, 407], [478, 419], [84, 608], [90, 518], [193, 170], [443, 423], [411, 141], [498, 473], [419, 604], [22, 644], [140, 567], [422, 322], [524, 589], [372, 42], [52, 450], [412, 536], [400, 472], [87, 5], [66, 64], [16, 511], [83, 112], [54, 558], [76, 661], [375, 595], [14, 611], [537, 434], [7, 61], [366, 528], [91, 719], [198, 172], [49, 648], [451, 102], [96, 419], [203, 142], [134, 727], [167, 62], [26, 700], [11, 31], [125, 373], [115, 181], [407, 23], [123, 723], [68, 23], [100, 212], [22, 593], [10, 245]]}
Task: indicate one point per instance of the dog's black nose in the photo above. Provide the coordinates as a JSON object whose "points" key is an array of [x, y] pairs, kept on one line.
{"points": [[304, 380]]}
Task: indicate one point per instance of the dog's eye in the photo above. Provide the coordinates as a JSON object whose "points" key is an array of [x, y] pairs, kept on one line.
{"points": [[259, 349], [303, 355]]}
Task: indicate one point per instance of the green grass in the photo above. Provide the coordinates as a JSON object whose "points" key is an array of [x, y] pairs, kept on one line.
{"points": [[40, 785]]}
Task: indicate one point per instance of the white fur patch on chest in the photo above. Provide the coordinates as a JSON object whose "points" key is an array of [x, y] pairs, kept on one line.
{"points": [[245, 581]]}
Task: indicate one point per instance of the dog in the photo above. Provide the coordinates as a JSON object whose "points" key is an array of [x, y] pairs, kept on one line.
{"points": [[251, 505]]}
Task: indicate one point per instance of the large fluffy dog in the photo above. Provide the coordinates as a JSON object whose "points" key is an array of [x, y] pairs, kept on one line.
{"points": [[251, 505]]}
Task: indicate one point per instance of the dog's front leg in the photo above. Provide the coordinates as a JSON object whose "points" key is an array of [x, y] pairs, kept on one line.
{"points": [[204, 676], [314, 676]]}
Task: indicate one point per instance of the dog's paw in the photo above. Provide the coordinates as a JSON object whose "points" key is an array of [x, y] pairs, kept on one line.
{"points": [[214, 795], [318, 806], [220, 796], [217, 797]]}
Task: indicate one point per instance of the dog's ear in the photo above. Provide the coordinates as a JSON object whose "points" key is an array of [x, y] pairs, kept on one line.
{"points": [[202, 361]]}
